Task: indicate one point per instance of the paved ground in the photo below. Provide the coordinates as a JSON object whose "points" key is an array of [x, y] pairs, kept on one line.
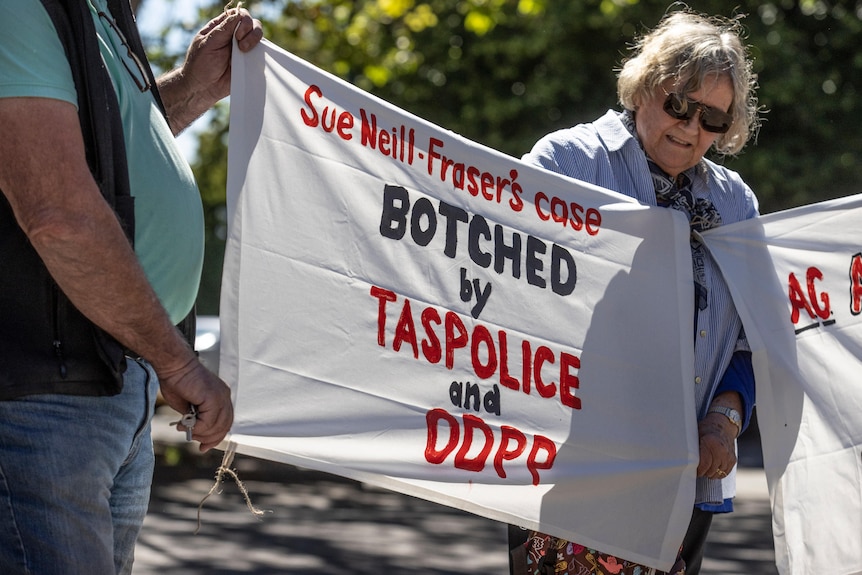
{"points": [[325, 525]]}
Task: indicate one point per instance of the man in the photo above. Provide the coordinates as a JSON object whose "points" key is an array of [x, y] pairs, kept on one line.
{"points": [[75, 453]]}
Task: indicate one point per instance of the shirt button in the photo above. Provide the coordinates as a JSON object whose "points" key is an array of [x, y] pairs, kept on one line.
{"points": [[703, 333], [698, 379]]}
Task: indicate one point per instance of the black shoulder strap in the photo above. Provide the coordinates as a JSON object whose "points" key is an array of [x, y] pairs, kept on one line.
{"points": [[125, 17], [122, 12], [98, 108]]}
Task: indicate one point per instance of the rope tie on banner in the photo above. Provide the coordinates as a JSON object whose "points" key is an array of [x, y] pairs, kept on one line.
{"points": [[230, 6], [224, 469]]}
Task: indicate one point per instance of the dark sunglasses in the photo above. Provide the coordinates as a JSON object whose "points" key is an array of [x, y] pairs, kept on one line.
{"points": [[711, 119]]}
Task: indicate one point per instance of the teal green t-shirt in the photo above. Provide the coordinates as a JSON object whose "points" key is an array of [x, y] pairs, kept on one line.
{"points": [[169, 236]]}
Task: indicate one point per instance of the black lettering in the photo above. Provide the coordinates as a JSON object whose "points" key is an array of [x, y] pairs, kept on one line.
{"points": [[534, 264], [423, 207], [560, 256], [471, 396], [502, 252], [453, 215], [393, 220], [479, 229]]}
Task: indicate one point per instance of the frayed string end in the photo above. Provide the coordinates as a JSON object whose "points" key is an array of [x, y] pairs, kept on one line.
{"points": [[224, 469], [230, 5]]}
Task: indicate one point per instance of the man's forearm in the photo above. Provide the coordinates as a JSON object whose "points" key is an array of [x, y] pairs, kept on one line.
{"points": [[92, 262], [182, 104], [205, 75], [58, 205]]}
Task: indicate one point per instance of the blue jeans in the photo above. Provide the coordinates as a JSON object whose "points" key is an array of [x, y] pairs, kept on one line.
{"points": [[75, 476]]}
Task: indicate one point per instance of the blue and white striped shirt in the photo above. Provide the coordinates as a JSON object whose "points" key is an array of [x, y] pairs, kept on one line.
{"points": [[605, 153]]}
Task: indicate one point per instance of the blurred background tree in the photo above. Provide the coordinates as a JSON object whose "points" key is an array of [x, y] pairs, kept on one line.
{"points": [[506, 72]]}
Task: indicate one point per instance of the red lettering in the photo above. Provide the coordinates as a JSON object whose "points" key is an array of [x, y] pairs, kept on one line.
{"points": [[815, 274], [568, 381], [433, 154], [453, 323], [384, 143], [329, 119], [797, 299], [816, 305], [487, 186], [488, 353], [472, 185], [576, 217], [345, 126], [541, 197], [331, 125], [543, 354], [477, 463], [512, 445], [558, 205], [505, 379], [594, 221], [444, 167], [458, 172], [432, 420], [856, 284], [516, 203], [383, 296], [502, 183], [431, 344], [526, 367], [311, 119], [369, 130], [504, 453], [405, 330], [568, 214], [541, 443], [482, 335]]}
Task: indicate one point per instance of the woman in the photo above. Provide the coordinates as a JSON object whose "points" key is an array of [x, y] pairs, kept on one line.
{"points": [[688, 86]]}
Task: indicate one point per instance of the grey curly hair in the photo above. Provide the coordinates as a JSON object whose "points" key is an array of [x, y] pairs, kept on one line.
{"points": [[688, 48]]}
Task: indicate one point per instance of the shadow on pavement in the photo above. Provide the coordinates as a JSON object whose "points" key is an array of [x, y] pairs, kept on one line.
{"points": [[323, 524], [316, 524]]}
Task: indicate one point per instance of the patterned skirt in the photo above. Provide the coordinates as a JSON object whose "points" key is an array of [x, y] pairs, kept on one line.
{"points": [[547, 555]]}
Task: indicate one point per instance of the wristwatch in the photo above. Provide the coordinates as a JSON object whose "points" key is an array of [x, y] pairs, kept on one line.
{"points": [[729, 413]]}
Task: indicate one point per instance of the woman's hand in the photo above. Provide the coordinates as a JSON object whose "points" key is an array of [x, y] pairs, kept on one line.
{"points": [[717, 438], [717, 446]]}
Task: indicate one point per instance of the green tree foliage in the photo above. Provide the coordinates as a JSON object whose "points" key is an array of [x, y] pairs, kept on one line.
{"points": [[505, 72]]}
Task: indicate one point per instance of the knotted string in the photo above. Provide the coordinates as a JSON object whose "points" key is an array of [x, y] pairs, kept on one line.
{"points": [[224, 469]]}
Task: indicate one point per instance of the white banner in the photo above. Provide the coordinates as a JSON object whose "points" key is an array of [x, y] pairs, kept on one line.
{"points": [[407, 308], [796, 278]]}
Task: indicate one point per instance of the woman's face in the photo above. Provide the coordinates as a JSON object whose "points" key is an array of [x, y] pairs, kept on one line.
{"points": [[677, 145]]}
